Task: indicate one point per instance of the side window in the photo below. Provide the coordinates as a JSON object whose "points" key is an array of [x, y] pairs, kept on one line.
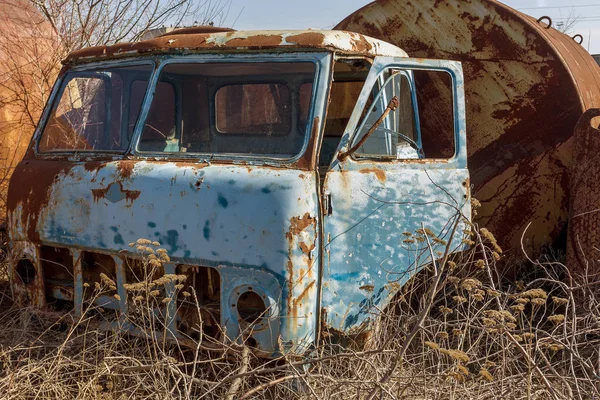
{"points": [[79, 120], [88, 113], [411, 117]]}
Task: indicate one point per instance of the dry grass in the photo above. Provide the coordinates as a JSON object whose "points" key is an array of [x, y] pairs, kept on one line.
{"points": [[460, 331]]}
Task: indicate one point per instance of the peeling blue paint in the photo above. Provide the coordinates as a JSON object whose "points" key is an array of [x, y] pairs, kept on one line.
{"points": [[223, 201], [206, 230]]}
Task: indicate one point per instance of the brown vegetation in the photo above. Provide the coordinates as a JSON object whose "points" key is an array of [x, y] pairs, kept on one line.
{"points": [[458, 331]]}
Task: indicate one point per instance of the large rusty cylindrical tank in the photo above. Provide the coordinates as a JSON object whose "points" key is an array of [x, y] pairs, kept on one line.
{"points": [[526, 87], [29, 63]]}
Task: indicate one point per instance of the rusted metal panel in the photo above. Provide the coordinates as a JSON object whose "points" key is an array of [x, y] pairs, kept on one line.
{"points": [[178, 42], [28, 47], [583, 253], [526, 87]]}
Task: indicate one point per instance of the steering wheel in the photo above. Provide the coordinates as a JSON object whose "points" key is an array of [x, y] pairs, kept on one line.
{"points": [[408, 140]]}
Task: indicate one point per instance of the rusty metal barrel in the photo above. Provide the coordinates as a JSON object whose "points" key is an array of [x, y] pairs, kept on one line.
{"points": [[526, 85]]}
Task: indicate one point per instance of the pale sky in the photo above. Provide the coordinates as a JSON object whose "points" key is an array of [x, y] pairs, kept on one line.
{"points": [[282, 14]]}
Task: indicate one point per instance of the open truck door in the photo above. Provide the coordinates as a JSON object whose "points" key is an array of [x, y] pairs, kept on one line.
{"points": [[391, 204]]}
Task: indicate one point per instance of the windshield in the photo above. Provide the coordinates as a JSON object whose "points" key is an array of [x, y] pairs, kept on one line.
{"points": [[95, 111], [244, 108]]}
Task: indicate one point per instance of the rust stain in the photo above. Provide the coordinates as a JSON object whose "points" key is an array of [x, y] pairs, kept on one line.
{"points": [[307, 39], [298, 302], [309, 159], [125, 168], [298, 224], [302, 295], [306, 249], [93, 166], [186, 40], [380, 174], [255, 41], [290, 283], [130, 195], [34, 197]]}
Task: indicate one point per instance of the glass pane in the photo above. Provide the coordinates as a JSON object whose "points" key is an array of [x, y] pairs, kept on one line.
{"points": [[230, 108], [415, 129], [261, 109], [159, 128], [88, 115]]}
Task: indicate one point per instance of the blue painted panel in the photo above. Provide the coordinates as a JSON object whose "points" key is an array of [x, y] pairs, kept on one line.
{"points": [[258, 225]]}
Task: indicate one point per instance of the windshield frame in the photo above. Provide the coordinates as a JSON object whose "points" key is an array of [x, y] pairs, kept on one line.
{"points": [[55, 97], [322, 63], [321, 59]]}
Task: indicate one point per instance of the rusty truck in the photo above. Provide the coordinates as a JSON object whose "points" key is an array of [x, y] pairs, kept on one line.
{"points": [[284, 173], [293, 177]]}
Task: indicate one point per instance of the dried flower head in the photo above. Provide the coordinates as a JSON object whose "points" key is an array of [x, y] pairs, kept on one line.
{"points": [[478, 294], [485, 374], [106, 279], [459, 299], [490, 238], [431, 345], [442, 335], [445, 310], [439, 241], [457, 355], [470, 284], [528, 336], [518, 308], [559, 300], [556, 319], [535, 294], [538, 301]]}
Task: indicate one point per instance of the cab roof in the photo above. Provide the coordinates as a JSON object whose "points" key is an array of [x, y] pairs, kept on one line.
{"points": [[203, 40]]}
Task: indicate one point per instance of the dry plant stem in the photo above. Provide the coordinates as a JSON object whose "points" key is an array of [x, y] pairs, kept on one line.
{"points": [[438, 274], [264, 386], [237, 383], [535, 366]]}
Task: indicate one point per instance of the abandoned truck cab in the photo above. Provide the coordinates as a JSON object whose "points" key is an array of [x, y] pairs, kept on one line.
{"points": [[295, 179]]}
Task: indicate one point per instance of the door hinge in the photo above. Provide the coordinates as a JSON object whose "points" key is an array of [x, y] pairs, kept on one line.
{"points": [[327, 208]]}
